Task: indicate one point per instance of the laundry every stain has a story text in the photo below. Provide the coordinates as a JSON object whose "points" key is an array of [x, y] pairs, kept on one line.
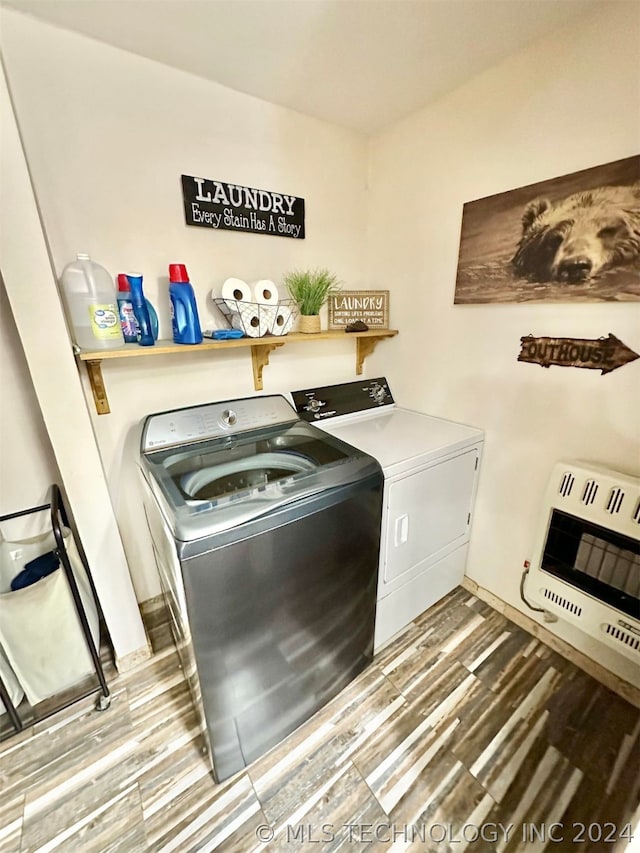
{"points": [[230, 206], [232, 219]]}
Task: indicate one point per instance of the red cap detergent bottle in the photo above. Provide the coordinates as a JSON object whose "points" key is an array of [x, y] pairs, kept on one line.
{"points": [[184, 309]]}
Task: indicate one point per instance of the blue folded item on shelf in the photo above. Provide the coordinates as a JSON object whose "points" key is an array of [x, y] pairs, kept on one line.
{"points": [[35, 570], [224, 334]]}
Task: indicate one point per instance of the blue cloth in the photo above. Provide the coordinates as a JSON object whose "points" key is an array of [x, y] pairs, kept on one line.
{"points": [[35, 570]]}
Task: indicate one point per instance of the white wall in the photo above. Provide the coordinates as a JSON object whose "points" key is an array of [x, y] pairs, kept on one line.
{"points": [[107, 136], [567, 103], [27, 463], [32, 293]]}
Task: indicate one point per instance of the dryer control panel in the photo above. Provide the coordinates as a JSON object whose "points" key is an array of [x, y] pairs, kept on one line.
{"points": [[212, 420], [331, 401]]}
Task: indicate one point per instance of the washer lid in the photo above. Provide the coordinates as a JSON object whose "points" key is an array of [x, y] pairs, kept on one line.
{"points": [[208, 486]]}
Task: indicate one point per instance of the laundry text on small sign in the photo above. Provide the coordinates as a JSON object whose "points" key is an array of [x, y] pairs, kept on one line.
{"points": [[369, 306], [605, 354], [231, 207]]}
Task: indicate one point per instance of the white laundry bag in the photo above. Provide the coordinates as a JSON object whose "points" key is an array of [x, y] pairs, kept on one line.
{"points": [[40, 632], [11, 684]]}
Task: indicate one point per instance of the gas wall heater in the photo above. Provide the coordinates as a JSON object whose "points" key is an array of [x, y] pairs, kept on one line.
{"points": [[586, 562]]}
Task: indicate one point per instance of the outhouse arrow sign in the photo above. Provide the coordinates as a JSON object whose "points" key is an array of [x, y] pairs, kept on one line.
{"points": [[605, 354]]}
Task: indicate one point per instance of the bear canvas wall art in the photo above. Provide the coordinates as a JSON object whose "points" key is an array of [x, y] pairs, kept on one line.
{"points": [[574, 238]]}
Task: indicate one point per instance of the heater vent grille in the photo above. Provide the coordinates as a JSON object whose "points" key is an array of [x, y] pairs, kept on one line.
{"points": [[590, 492], [622, 636], [567, 484], [586, 565], [615, 500], [559, 601]]}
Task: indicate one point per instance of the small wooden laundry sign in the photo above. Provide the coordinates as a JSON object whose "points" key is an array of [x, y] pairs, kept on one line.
{"points": [[369, 306], [231, 207], [605, 354]]}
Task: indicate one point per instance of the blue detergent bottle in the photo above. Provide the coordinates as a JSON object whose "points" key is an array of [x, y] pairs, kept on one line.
{"points": [[125, 310], [184, 310], [141, 310], [127, 314]]}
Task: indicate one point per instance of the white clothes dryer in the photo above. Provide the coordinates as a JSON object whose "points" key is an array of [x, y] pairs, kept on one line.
{"points": [[431, 468]]}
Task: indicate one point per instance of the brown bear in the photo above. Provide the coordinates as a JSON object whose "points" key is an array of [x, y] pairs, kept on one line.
{"points": [[574, 239]]}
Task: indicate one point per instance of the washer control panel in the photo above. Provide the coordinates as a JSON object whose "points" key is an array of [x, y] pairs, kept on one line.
{"points": [[331, 401], [199, 423]]}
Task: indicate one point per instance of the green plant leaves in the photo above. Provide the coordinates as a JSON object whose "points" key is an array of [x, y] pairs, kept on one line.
{"points": [[311, 288]]}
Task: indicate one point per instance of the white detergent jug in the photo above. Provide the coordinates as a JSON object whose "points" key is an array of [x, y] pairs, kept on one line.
{"points": [[92, 305]]}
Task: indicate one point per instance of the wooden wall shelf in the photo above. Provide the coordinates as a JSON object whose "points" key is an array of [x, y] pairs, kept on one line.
{"points": [[261, 349]]}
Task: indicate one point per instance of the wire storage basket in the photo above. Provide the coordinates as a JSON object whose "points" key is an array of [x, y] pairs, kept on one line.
{"points": [[256, 319]]}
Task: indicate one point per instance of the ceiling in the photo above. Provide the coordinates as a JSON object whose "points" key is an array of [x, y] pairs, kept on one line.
{"points": [[361, 64]]}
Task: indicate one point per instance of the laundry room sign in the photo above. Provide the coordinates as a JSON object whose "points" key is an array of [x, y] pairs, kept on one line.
{"points": [[605, 354], [231, 207], [368, 306]]}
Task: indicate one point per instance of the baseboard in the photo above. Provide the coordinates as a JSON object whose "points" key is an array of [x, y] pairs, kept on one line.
{"points": [[133, 659], [139, 656], [595, 670]]}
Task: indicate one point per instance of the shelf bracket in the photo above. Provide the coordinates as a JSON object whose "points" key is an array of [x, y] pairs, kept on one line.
{"points": [[364, 347], [94, 371], [260, 359]]}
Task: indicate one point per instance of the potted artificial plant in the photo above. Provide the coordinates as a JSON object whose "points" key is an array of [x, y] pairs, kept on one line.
{"points": [[310, 289]]}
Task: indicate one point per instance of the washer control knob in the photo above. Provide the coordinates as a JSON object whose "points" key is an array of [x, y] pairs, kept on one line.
{"points": [[378, 393], [228, 418], [313, 405]]}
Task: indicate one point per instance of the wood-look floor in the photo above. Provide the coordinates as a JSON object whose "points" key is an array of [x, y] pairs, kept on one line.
{"points": [[465, 734]]}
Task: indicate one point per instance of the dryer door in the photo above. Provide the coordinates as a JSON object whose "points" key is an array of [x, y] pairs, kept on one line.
{"points": [[427, 516]]}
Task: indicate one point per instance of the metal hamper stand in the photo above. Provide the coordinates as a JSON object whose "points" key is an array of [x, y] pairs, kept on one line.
{"points": [[58, 515]]}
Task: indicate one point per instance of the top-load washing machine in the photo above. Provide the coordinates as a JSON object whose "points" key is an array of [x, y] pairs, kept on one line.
{"points": [[431, 471], [266, 532]]}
